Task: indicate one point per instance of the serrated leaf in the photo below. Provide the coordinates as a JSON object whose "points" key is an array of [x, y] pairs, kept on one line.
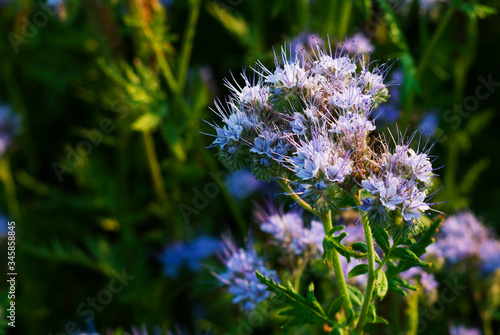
{"points": [[359, 246], [427, 237], [303, 310], [381, 238], [380, 319], [331, 242], [381, 284], [355, 295], [474, 10], [407, 256], [358, 270], [335, 307]]}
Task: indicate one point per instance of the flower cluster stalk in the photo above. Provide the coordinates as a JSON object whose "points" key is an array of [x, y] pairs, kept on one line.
{"points": [[371, 276]]}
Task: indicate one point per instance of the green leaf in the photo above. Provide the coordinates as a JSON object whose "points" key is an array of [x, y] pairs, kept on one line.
{"points": [[371, 316], [331, 242], [427, 237], [408, 256], [358, 270], [303, 310], [335, 307], [380, 319], [359, 246], [355, 295], [335, 331], [381, 284], [474, 10], [381, 238]]}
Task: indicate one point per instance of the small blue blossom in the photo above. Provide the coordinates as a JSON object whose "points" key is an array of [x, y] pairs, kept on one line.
{"points": [[289, 231], [240, 278], [429, 123], [359, 44], [242, 183], [10, 125], [426, 280], [462, 330], [489, 256], [189, 254], [460, 237], [4, 226]]}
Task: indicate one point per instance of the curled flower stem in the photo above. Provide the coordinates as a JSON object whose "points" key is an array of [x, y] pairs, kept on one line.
{"points": [[370, 283], [295, 197], [326, 219]]}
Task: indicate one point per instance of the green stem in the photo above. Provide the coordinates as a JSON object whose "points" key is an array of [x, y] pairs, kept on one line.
{"points": [[330, 18], [295, 197], [345, 16], [437, 35], [10, 188], [412, 313], [326, 219], [154, 166], [370, 284], [187, 43], [303, 11]]}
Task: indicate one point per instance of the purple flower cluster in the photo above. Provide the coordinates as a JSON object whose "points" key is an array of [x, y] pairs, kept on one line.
{"points": [[242, 184], [9, 127], [189, 254], [400, 188], [462, 237], [462, 330], [426, 280], [240, 277], [308, 121], [289, 231]]}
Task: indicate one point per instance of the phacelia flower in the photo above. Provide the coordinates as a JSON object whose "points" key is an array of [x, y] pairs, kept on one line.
{"points": [[426, 280], [489, 256], [289, 231], [242, 183], [189, 254], [359, 44], [460, 237], [9, 127], [239, 276], [462, 330], [310, 121]]}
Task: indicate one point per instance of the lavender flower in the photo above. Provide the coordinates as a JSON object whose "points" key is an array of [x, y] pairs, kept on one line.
{"points": [[289, 231], [460, 237], [462, 330], [489, 256], [240, 277], [428, 123], [426, 280], [241, 184], [359, 44], [9, 127], [309, 119], [399, 190], [189, 254]]}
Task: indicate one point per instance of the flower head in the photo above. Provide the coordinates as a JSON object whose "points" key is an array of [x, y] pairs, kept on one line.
{"points": [[240, 278], [189, 254]]}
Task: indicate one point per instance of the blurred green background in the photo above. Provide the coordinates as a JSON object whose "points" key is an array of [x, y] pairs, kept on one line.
{"points": [[134, 79]]}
